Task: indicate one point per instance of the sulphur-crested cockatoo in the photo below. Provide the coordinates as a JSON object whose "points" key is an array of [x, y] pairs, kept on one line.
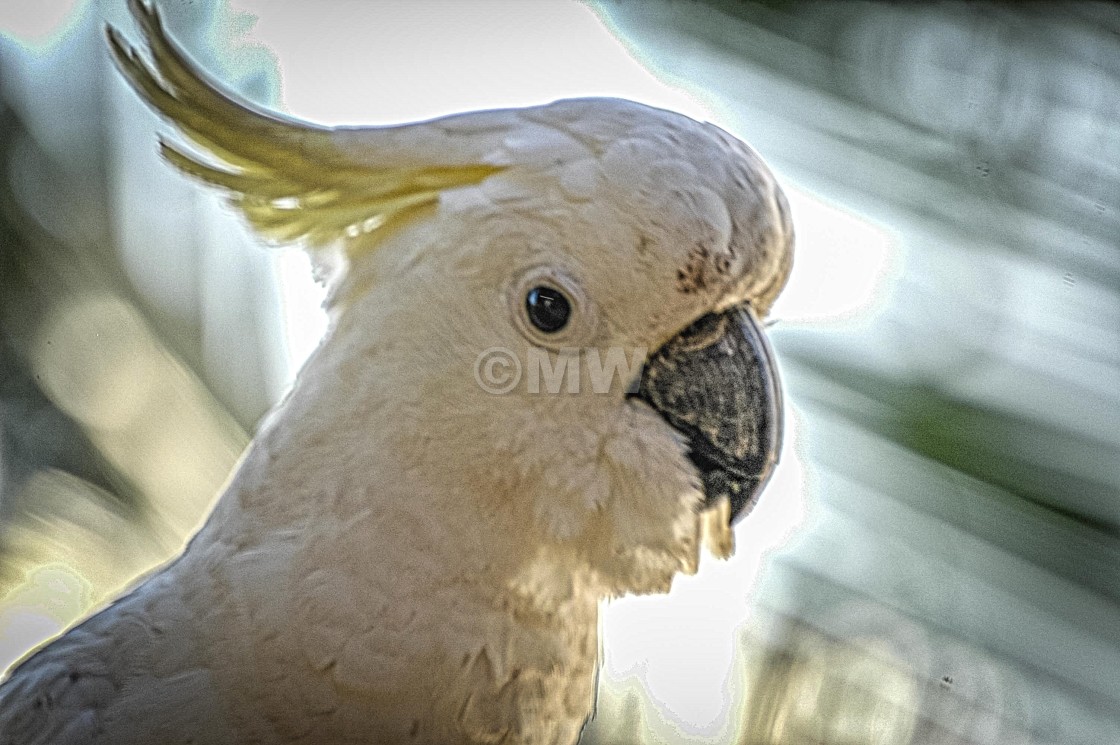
{"points": [[406, 553]]}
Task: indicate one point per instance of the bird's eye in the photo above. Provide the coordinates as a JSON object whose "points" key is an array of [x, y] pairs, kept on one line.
{"points": [[548, 308]]}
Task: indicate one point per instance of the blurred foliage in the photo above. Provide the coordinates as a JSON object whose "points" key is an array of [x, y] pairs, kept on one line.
{"points": [[981, 441], [111, 447]]}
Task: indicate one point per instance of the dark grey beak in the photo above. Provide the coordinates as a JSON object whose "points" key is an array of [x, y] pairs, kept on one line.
{"points": [[716, 382]]}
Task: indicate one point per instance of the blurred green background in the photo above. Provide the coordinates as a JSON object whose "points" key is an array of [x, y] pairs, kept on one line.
{"points": [[954, 576]]}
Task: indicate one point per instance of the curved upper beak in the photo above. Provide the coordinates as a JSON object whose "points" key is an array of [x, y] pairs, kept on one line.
{"points": [[716, 382]]}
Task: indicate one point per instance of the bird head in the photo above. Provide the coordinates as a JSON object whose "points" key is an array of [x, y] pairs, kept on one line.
{"points": [[550, 315]]}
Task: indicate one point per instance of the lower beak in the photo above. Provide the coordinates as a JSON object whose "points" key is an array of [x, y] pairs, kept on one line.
{"points": [[716, 383]]}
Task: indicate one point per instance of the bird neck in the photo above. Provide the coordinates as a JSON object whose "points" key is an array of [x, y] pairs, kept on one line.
{"points": [[326, 476]]}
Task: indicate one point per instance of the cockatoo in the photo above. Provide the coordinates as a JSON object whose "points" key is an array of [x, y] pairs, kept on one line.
{"points": [[405, 554]]}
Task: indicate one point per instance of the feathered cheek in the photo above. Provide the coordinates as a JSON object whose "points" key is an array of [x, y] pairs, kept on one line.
{"points": [[639, 489], [654, 535], [655, 496]]}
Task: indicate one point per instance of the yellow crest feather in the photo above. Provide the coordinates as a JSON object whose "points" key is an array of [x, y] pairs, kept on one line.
{"points": [[287, 177]]}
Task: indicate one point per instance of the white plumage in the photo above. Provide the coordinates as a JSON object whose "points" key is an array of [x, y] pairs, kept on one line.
{"points": [[402, 556]]}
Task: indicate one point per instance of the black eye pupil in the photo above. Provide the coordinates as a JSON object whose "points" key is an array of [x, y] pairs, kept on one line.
{"points": [[548, 309]]}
